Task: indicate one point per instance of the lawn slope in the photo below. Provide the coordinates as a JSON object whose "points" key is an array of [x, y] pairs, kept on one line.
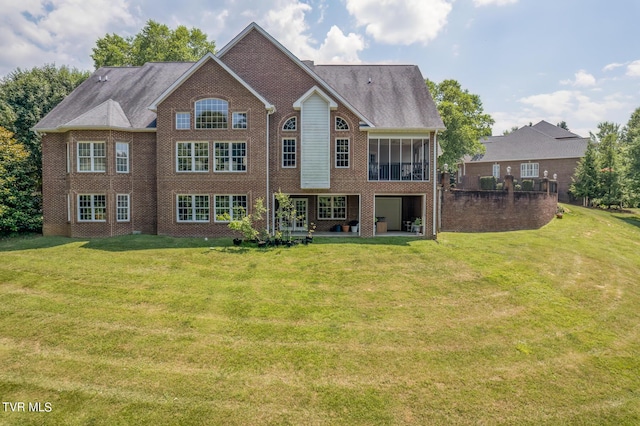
{"points": [[532, 327]]}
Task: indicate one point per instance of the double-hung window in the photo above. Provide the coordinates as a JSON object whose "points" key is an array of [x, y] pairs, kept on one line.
{"points": [[529, 170], [192, 208], [92, 207], [334, 207], [122, 157], [92, 157], [123, 208], [230, 156], [192, 156], [496, 171], [288, 153], [342, 153], [230, 207]]}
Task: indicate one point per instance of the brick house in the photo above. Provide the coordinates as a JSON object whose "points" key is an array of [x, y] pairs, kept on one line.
{"points": [[168, 148], [529, 151]]}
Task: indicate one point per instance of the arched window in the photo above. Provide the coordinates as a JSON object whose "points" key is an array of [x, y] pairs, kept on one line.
{"points": [[341, 124], [290, 124], [212, 114]]}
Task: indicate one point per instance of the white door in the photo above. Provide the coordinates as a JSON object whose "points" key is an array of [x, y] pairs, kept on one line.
{"points": [[302, 211]]}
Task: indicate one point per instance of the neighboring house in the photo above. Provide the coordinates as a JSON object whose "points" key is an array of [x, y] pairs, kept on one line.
{"points": [[529, 151], [168, 148]]}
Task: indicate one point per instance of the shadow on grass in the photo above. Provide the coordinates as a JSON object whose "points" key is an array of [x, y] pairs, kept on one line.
{"points": [[158, 242], [630, 218]]}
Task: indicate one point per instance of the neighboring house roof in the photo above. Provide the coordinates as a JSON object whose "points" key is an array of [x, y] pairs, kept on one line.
{"points": [[537, 142], [132, 88], [390, 96]]}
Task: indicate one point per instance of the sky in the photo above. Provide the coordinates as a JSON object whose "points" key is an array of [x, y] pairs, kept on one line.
{"points": [[576, 61]]}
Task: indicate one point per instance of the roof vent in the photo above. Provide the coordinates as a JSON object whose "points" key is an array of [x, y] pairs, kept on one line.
{"points": [[106, 78], [99, 78], [369, 82]]}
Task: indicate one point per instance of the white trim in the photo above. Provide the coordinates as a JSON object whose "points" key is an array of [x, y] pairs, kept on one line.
{"points": [[348, 166], [92, 157], [92, 207], [193, 157], [128, 207], [297, 105], [295, 152], [346, 207], [193, 208], [230, 157], [128, 168], [230, 200]]}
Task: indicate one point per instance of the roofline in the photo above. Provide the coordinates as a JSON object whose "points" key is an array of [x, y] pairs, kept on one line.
{"points": [[315, 89], [520, 159], [401, 129], [154, 106], [64, 129], [301, 64]]}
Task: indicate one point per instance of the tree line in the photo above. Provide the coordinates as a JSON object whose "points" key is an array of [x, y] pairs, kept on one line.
{"points": [[609, 173]]}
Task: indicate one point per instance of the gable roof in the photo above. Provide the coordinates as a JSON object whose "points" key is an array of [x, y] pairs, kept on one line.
{"points": [[208, 57], [391, 96], [331, 91], [532, 143], [132, 88]]}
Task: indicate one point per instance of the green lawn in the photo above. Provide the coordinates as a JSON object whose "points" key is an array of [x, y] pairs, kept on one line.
{"points": [[532, 327]]}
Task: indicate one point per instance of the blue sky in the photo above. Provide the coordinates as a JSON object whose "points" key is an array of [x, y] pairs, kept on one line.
{"points": [[529, 60]]}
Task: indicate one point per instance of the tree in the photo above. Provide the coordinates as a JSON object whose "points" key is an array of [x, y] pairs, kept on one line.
{"points": [[632, 156], [563, 125], [27, 96], [610, 173], [154, 43], [511, 130], [19, 207], [464, 118], [585, 178]]}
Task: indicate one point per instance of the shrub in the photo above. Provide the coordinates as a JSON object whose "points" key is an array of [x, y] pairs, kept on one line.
{"points": [[518, 187], [487, 182], [500, 186], [527, 185]]}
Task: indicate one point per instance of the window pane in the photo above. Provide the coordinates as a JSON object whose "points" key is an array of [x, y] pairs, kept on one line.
{"points": [[239, 120], [290, 124], [211, 114], [183, 120], [288, 153], [122, 157]]}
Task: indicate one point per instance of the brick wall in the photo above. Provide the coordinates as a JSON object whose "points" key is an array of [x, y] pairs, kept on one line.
{"points": [[564, 168], [61, 187], [495, 211]]}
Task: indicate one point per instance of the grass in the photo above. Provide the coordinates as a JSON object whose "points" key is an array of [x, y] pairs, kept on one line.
{"points": [[532, 327]]}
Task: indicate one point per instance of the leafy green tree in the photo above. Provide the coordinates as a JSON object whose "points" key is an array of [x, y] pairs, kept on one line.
{"points": [[563, 125], [464, 118], [611, 171], [19, 208], [586, 177], [28, 95], [631, 157], [154, 43], [511, 130]]}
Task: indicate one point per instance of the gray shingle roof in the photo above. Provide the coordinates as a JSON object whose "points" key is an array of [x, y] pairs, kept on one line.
{"points": [[390, 96], [132, 88], [532, 143]]}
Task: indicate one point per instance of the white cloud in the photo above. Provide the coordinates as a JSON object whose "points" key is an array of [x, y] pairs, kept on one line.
{"points": [[287, 24], [401, 21], [34, 32], [479, 3], [633, 69], [582, 79], [612, 66], [557, 103]]}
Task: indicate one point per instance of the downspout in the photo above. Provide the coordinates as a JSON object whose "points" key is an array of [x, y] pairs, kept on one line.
{"points": [[270, 111], [435, 164]]}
